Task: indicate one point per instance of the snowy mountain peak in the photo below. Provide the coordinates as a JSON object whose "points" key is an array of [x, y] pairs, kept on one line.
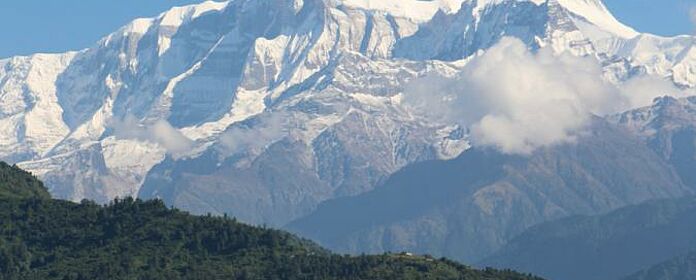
{"points": [[592, 11], [420, 11], [595, 12], [173, 17], [179, 15]]}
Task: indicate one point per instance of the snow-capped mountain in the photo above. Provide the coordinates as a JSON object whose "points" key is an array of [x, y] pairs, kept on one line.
{"points": [[265, 108]]}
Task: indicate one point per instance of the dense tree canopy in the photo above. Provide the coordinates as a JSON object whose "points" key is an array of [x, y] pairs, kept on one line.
{"points": [[17, 183]]}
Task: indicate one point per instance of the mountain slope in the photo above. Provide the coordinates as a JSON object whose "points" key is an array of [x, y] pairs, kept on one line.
{"points": [[468, 207], [614, 245], [681, 267], [669, 127], [133, 239]]}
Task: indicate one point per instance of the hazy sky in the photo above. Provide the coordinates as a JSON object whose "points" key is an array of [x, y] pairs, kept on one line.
{"points": [[30, 26]]}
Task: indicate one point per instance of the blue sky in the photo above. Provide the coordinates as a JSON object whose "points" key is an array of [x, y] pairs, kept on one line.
{"points": [[662, 17], [30, 26]]}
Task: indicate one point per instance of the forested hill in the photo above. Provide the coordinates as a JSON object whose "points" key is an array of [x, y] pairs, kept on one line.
{"points": [[42, 238], [16, 183]]}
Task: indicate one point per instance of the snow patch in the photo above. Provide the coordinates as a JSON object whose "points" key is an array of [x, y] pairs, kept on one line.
{"points": [[246, 105], [371, 100], [138, 26], [119, 154], [416, 10]]}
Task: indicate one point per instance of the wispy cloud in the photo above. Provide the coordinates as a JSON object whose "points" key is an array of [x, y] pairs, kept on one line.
{"points": [[160, 132], [263, 131]]}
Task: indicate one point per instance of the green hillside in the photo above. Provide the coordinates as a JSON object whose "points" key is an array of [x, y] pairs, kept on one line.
{"points": [[16, 183], [133, 239]]}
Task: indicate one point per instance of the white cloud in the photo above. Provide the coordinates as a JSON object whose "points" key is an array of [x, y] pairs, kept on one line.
{"points": [[264, 131], [641, 91], [516, 101], [160, 132]]}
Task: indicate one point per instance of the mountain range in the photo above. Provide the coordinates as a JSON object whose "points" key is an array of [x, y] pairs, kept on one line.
{"points": [[295, 113], [651, 240]]}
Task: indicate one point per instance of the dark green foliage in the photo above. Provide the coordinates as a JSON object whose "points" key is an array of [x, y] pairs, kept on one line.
{"points": [[17, 183], [134, 239]]}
